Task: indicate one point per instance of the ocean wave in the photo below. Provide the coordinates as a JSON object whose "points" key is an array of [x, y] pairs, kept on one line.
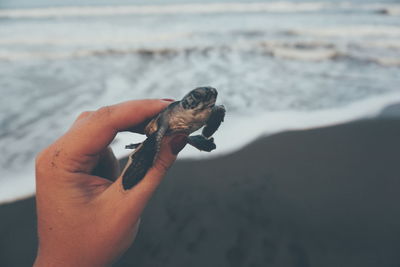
{"points": [[266, 123], [16, 56], [301, 50], [384, 44], [306, 55], [350, 30], [373, 36], [195, 8], [88, 11], [382, 61], [89, 40], [322, 51], [387, 61], [395, 11], [388, 9]]}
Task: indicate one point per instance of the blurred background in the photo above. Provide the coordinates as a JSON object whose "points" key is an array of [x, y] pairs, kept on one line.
{"points": [[278, 66], [284, 60]]}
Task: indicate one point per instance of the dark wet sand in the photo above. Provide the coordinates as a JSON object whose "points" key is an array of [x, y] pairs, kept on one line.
{"points": [[324, 197]]}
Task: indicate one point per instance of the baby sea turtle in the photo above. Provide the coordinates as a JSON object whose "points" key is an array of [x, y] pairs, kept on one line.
{"points": [[195, 110]]}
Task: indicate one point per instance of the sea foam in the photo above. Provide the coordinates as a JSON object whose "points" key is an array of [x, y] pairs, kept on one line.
{"points": [[162, 9], [194, 8], [229, 138]]}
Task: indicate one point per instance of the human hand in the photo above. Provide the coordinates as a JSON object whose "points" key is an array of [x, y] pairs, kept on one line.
{"points": [[85, 219]]}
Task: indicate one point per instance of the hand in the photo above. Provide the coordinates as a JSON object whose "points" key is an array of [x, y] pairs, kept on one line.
{"points": [[84, 219]]}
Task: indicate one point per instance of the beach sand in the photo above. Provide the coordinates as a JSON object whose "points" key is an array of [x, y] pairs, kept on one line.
{"points": [[321, 197]]}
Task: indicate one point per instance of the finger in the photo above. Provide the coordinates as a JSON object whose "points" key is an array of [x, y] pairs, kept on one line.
{"points": [[89, 136], [139, 128], [107, 166], [132, 202], [83, 115]]}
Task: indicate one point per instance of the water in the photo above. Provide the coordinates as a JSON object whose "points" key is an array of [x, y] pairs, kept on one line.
{"points": [[277, 66]]}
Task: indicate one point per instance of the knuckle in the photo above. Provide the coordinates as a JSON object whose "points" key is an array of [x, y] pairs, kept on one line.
{"points": [[47, 159], [41, 159], [104, 111], [162, 165], [84, 115]]}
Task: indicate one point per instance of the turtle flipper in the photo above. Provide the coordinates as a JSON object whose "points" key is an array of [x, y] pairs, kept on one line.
{"points": [[140, 161], [202, 143], [215, 120], [158, 138]]}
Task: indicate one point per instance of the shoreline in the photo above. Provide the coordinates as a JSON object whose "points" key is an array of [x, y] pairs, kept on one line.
{"points": [[319, 197], [267, 124]]}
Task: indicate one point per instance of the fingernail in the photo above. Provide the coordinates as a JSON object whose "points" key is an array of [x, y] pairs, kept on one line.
{"points": [[168, 99], [178, 143]]}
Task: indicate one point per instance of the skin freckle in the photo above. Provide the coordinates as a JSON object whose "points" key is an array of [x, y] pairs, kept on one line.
{"points": [[57, 153]]}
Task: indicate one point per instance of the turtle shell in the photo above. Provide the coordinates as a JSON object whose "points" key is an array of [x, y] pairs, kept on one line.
{"points": [[151, 127]]}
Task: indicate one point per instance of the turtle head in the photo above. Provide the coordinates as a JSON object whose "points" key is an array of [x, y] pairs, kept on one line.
{"points": [[200, 98]]}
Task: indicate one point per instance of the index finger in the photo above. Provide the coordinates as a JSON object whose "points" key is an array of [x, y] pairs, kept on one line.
{"points": [[91, 135]]}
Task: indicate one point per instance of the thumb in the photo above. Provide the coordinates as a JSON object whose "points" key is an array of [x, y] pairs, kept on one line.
{"points": [[170, 148], [132, 202]]}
